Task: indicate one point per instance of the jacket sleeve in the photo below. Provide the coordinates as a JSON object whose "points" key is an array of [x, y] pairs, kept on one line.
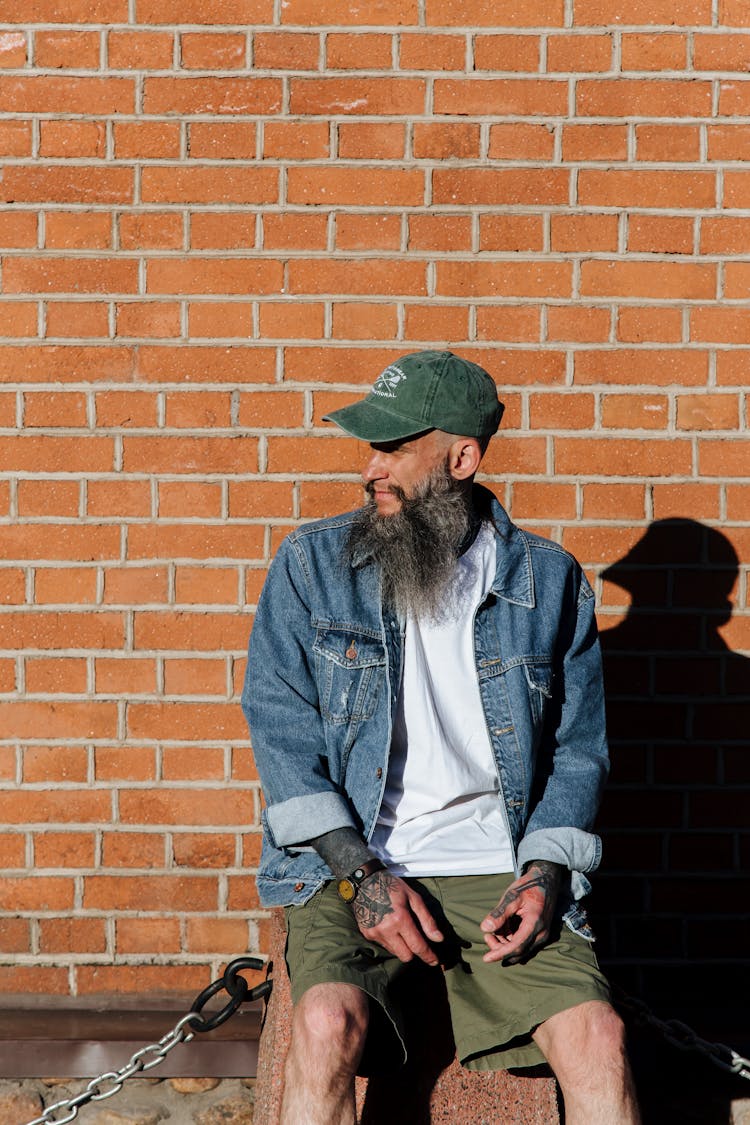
{"points": [[280, 701], [573, 758]]}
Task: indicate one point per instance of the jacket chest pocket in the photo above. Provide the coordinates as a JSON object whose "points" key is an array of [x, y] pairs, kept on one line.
{"points": [[349, 668], [539, 684]]}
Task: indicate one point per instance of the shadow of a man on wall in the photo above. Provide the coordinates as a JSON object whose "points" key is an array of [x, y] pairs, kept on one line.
{"points": [[672, 903]]}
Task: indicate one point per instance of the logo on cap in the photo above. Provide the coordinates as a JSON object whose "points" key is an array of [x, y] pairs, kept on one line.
{"points": [[387, 383]]}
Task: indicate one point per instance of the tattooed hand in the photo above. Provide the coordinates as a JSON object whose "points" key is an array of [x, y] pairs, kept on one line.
{"points": [[519, 924], [390, 913]]}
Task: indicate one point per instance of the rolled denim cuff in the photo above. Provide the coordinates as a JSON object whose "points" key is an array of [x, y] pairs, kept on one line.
{"points": [[303, 818], [571, 847]]}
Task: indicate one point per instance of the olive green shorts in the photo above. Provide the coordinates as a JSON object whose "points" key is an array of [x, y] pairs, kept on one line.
{"points": [[493, 1008]]}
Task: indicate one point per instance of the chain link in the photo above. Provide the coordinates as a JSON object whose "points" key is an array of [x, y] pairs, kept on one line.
{"points": [[182, 1032], [679, 1035]]}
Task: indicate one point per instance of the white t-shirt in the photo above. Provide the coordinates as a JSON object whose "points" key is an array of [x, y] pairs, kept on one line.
{"points": [[442, 809]]}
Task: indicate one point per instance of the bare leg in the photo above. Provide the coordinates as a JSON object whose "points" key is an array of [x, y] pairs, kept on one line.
{"points": [[328, 1034], [585, 1046]]}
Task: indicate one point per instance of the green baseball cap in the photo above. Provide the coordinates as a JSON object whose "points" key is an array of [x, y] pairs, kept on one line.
{"points": [[424, 391]]}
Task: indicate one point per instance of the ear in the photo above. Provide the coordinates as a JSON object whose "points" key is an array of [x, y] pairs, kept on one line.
{"points": [[464, 456]]}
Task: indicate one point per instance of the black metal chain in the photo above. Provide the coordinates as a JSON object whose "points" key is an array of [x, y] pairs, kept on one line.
{"points": [[111, 1082]]}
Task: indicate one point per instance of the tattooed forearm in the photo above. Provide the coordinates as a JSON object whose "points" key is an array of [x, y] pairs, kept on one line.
{"points": [[374, 900], [343, 849]]}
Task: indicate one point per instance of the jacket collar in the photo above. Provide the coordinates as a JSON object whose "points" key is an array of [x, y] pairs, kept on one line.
{"points": [[514, 575]]}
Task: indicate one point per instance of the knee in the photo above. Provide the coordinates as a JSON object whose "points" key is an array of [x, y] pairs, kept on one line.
{"points": [[332, 1023], [604, 1031], [590, 1035]]}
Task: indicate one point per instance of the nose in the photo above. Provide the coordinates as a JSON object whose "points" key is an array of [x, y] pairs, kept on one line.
{"points": [[376, 468]]}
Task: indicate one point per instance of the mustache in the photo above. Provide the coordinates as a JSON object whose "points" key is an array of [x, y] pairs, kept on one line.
{"points": [[394, 489]]}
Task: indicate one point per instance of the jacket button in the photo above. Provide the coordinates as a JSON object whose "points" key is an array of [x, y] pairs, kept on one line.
{"points": [[299, 886], [378, 772], [351, 652]]}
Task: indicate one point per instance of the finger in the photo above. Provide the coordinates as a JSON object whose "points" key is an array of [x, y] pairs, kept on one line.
{"points": [[426, 921]]}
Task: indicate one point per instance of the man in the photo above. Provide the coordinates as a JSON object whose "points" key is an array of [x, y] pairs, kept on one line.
{"points": [[425, 699]]}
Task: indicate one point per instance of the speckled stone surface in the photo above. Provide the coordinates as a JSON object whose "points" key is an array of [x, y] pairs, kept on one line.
{"points": [[432, 1090]]}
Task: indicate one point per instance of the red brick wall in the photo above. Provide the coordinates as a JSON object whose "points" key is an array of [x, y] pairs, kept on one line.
{"points": [[214, 230]]}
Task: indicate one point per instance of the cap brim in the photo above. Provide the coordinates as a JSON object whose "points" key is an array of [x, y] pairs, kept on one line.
{"points": [[368, 421]]}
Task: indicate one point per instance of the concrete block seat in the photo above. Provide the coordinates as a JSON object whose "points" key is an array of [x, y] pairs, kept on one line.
{"points": [[433, 1089]]}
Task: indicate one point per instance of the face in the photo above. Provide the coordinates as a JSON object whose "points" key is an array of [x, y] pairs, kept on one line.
{"points": [[402, 464]]}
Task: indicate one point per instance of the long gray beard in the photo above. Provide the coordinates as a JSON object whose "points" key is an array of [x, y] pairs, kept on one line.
{"points": [[417, 547]]}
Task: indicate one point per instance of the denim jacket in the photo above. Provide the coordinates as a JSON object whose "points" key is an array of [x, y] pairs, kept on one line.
{"points": [[323, 677]]}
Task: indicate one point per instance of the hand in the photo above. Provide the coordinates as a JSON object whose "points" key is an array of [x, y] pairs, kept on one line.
{"points": [[519, 924], [390, 913]]}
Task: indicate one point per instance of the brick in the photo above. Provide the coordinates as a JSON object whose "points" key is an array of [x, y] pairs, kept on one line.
{"points": [[59, 184], [135, 585], [371, 141], [736, 189], [580, 233], [357, 276], [296, 140], [216, 319], [125, 497], [521, 142], [436, 322], [186, 631], [673, 143], [328, 13], [194, 763], [189, 454], [321, 499], [576, 53], [364, 321], [695, 501], [206, 585], [533, 500], [445, 140], [517, 279], [653, 279], [644, 188], [719, 459], [72, 139], [724, 234], [561, 411], [147, 935], [314, 454], [717, 324], [64, 586], [227, 140], [140, 50], [293, 231], [657, 367], [206, 935], [431, 51], [208, 184], [212, 275], [733, 13], [504, 13], [728, 142], [18, 319], [42, 454], [282, 320], [354, 185], [595, 142], [70, 630], [50, 675], [516, 455], [733, 98], [152, 892], [18, 229], [148, 319], [213, 51], [360, 96], [584, 324], [128, 763], [654, 51], [198, 95], [75, 230], [59, 719], [269, 408], [512, 53], [89, 275], [638, 324], [635, 412], [146, 140], [665, 234], [7, 675], [64, 849], [77, 50], [513, 322], [159, 979], [243, 12], [147, 541], [614, 501], [15, 138], [595, 456], [239, 364], [359, 50], [184, 807], [500, 96], [124, 676], [643, 12], [22, 979], [194, 498], [12, 586], [13, 49], [737, 280], [68, 806], [118, 409], [286, 50], [55, 94], [222, 230], [436, 231], [731, 367], [721, 52], [508, 232], [15, 937]]}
